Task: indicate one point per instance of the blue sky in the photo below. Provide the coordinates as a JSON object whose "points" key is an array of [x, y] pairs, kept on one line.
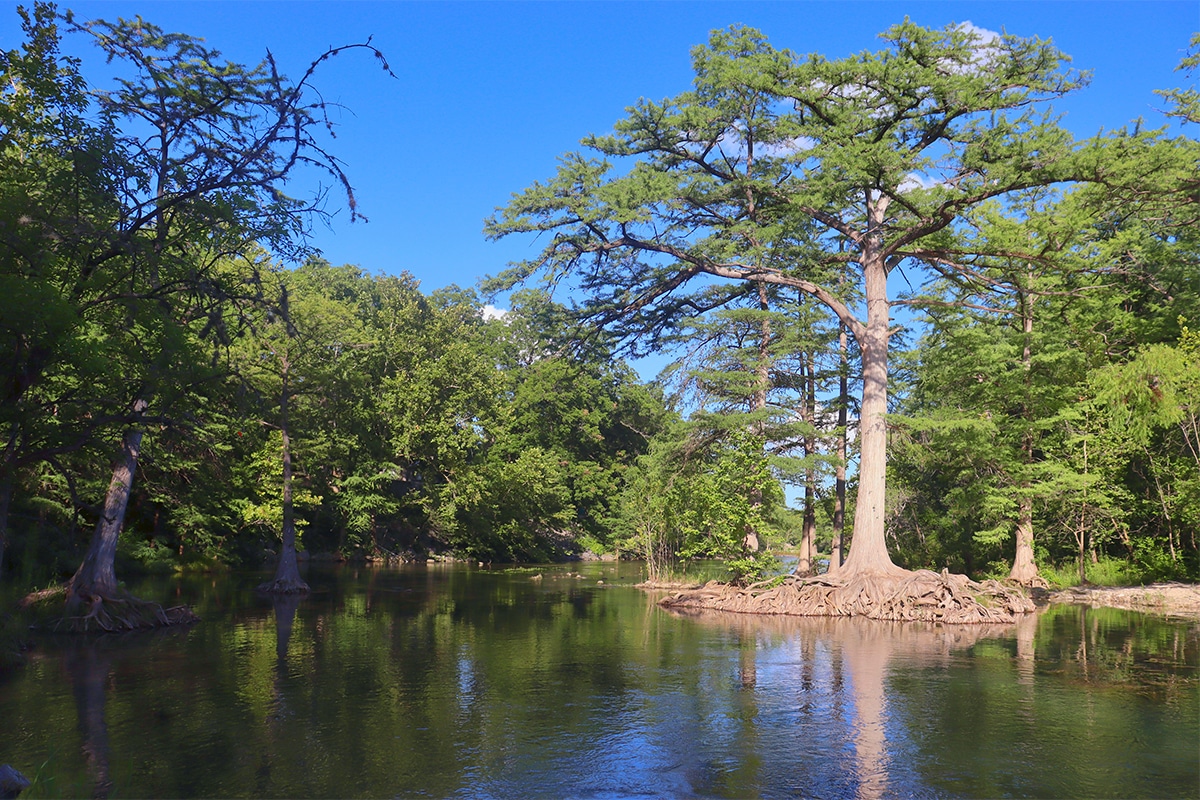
{"points": [[489, 94]]}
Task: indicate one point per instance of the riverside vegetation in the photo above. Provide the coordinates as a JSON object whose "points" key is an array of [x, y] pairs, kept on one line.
{"points": [[187, 385]]}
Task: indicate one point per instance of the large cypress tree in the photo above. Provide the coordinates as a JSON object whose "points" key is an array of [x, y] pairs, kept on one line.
{"points": [[821, 175]]}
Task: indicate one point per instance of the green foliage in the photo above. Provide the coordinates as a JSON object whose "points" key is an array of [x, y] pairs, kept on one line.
{"points": [[1055, 382], [817, 177], [263, 507], [1154, 420], [1185, 103], [696, 500], [1104, 572], [121, 212]]}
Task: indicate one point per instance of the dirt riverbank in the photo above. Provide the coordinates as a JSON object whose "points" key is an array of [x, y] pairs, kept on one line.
{"points": [[1181, 600]]}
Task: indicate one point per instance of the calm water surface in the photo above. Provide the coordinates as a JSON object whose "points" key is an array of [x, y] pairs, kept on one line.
{"points": [[470, 682]]}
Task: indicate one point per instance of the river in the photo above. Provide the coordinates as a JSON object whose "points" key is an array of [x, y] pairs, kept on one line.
{"points": [[565, 681]]}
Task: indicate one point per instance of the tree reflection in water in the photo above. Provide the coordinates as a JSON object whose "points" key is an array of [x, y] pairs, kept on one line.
{"points": [[456, 682], [91, 663], [860, 650], [281, 715], [88, 665], [285, 617]]}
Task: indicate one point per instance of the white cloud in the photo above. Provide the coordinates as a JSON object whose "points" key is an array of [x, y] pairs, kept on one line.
{"points": [[732, 144], [987, 46], [797, 144], [986, 37], [917, 181], [491, 312]]}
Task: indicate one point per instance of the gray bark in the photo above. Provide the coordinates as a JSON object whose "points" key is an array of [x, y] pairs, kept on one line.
{"points": [[96, 576]]}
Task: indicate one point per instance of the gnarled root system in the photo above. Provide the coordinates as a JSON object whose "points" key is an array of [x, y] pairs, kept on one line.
{"points": [[283, 586], [896, 595], [114, 613]]}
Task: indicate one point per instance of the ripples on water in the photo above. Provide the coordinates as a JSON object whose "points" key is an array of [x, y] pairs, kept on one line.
{"points": [[464, 682]]}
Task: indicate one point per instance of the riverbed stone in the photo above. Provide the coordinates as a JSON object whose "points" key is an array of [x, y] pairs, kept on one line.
{"points": [[12, 783]]}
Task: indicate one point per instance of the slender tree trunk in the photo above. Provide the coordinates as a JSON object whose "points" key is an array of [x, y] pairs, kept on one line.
{"points": [[1162, 502], [96, 576], [287, 571], [1024, 569], [808, 535], [868, 546], [1082, 554], [762, 377], [1083, 516], [809, 531], [6, 490], [839, 497], [751, 541]]}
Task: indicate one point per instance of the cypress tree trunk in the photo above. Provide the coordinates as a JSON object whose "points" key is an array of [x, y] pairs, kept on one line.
{"points": [[839, 501], [808, 535], [287, 572], [1024, 570], [751, 541], [808, 531], [868, 547], [94, 600], [96, 580]]}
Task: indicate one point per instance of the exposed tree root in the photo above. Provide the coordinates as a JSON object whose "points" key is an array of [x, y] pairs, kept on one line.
{"points": [[900, 595], [114, 613], [283, 586]]}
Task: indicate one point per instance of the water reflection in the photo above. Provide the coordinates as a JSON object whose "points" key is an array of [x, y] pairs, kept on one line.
{"points": [[285, 606], [88, 666], [861, 650], [457, 682], [94, 667]]}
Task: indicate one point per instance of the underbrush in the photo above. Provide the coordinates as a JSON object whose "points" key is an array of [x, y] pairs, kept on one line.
{"points": [[697, 571], [1105, 572]]}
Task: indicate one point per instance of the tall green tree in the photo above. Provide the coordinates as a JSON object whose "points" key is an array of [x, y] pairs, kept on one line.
{"points": [[820, 175], [196, 154], [698, 498], [568, 397], [290, 359], [55, 358], [1151, 400]]}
